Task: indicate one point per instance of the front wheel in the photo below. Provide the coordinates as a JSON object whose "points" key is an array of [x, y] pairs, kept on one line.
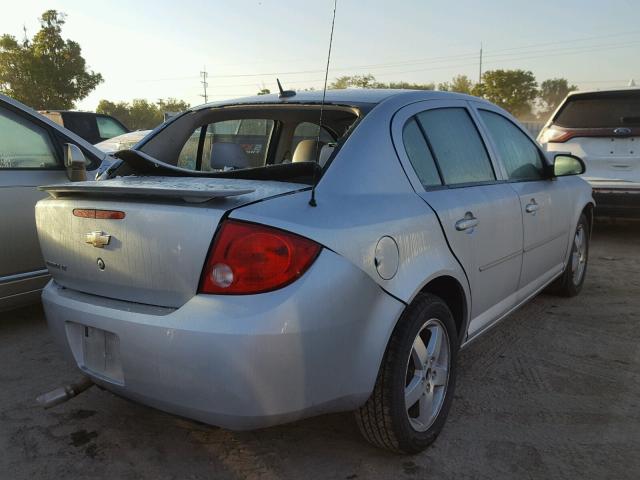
{"points": [[414, 388], [570, 282]]}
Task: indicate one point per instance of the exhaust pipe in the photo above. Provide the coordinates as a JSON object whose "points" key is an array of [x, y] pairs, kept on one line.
{"points": [[62, 394]]}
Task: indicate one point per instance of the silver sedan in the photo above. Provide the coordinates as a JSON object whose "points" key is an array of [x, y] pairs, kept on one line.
{"points": [[261, 260]]}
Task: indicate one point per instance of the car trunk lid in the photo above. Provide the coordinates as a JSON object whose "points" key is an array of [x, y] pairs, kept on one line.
{"points": [[155, 253]]}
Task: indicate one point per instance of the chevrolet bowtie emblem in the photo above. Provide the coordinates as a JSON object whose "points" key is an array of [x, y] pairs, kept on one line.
{"points": [[97, 239]]}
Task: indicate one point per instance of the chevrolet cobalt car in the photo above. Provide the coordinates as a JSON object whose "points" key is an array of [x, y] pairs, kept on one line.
{"points": [[256, 261]]}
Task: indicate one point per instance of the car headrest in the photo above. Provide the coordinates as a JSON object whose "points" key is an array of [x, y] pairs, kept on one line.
{"points": [[306, 151], [325, 152], [229, 155]]}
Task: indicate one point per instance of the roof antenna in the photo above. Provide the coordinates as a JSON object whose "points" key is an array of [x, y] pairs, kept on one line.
{"points": [[284, 93], [312, 200]]}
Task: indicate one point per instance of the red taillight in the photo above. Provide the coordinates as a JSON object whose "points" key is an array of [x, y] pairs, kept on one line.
{"points": [[248, 258]]}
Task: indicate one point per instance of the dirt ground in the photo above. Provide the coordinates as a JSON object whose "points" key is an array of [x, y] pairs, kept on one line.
{"points": [[553, 392]]}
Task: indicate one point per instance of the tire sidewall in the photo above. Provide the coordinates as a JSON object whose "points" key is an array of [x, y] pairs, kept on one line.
{"points": [[410, 439], [572, 287]]}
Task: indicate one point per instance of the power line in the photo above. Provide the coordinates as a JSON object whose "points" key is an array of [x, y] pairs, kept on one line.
{"points": [[439, 59]]}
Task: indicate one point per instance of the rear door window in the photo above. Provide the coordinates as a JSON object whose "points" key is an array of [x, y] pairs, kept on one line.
{"points": [[518, 153], [600, 110], [309, 131], [23, 144], [251, 135], [108, 127], [234, 144], [457, 146], [189, 153], [82, 125]]}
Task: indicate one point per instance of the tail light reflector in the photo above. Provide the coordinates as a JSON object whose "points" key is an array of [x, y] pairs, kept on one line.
{"points": [[101, 214], [248, 258]]}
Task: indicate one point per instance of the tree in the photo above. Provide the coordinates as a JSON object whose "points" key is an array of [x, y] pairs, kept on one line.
{"points": [[141, 114], [264, 91], [46, 72], [459, 84], [118, 110], [359, 81], [369, 81], [171, 105], [513, 90], [552, 92], [405, 85]]}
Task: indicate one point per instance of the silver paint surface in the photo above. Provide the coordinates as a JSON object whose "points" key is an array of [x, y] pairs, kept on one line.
{"points": [[316, 345]]}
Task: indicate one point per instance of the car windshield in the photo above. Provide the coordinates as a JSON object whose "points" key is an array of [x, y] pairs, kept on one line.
{"points": [[601, 110]]}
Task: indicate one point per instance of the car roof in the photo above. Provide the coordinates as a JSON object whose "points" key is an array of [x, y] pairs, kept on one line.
{"points": [[604, 91], [347, 96]]}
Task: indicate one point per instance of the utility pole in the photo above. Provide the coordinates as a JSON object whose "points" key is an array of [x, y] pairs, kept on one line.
{"points": [[204, 83], [480, 72]]}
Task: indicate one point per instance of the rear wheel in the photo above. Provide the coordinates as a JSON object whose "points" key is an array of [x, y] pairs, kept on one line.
{"points": [[414, 388], [570, 283]]}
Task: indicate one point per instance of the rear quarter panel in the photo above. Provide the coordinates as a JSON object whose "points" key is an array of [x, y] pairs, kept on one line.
{"points": [[363, 196]]}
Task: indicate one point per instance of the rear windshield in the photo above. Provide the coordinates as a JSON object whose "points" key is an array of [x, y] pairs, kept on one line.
{"points": [[237, 137], [600, 110]]}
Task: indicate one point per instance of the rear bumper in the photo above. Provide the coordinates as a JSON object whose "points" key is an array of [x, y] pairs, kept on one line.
{"points": [[241, 362], [617, 202]]}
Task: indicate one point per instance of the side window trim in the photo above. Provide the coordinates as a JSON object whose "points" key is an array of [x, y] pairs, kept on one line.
{"points": [[430, 147], [51, 135], [494, 151]]}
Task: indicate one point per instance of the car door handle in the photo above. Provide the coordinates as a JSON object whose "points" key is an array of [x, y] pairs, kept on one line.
{"points": [[467, 223], [532, 207]]}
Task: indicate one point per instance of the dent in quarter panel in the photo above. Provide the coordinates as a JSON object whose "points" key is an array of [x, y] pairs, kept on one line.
{"points": [[351, 225]]}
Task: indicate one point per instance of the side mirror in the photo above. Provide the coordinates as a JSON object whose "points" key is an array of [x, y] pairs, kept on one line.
{"points": [[565, 164], [75, 163]]}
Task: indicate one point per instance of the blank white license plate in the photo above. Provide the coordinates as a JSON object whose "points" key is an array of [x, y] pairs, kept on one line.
{"points": [[101, 353]]}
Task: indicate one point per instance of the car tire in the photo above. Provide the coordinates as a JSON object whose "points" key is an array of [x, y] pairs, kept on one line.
{"points": [[570, 282], [413, 362]]}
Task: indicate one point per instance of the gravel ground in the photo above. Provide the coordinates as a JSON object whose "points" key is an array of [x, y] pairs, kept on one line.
{"points": [[553, 392]]}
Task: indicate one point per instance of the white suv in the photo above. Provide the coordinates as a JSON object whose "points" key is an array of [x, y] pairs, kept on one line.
{"points": [[602, 128]]}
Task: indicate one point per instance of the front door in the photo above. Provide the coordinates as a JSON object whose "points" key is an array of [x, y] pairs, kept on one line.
{"points": [[544, 202], [28, 158]]}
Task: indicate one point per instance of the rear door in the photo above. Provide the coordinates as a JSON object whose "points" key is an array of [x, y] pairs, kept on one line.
{"points": [[544, 200], [480, 215]]}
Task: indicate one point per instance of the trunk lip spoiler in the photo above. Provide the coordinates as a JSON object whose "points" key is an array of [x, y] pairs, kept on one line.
{"points": [[131, 188]]}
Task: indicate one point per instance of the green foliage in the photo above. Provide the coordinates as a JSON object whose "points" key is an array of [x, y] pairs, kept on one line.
{"points": [[459, 84], [513, 90], [369, 81], [406, 85], [141, 114], [46, 72], [551, 93], [264, 91], [359, 81]]}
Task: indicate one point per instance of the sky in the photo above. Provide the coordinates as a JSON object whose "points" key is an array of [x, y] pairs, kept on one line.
{"points": [[157, 49]]}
